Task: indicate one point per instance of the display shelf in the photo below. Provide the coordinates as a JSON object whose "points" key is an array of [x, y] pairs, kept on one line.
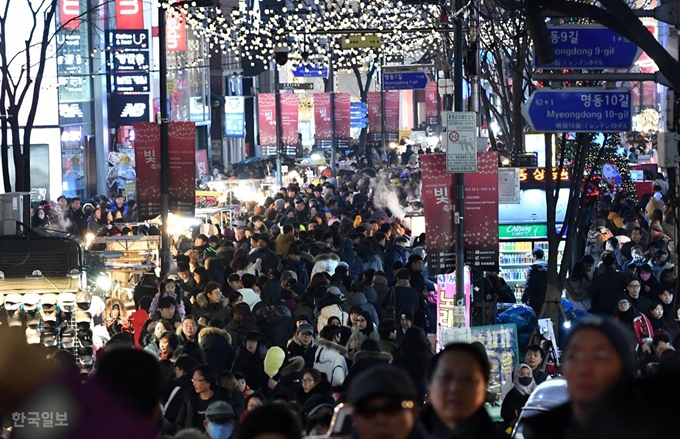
{"points": [[516, 251], [516, 265]]}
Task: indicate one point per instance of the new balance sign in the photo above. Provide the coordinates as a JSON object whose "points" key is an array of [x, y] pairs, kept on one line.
{"points": [[127, 109], [133, 110]]}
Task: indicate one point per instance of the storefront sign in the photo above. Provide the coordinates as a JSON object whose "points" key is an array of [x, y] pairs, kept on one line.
{"points": [[522, 231], [128, 39], [130, 82], [127, 109], [539, 175], [71, 114], [69, 13], [182, 172], [289, 118], [131, 61], [343, 105], [481, 213], [374, 114], [266, 106], [71, 71], [176, 33], [234, 117], [322, 116], [392, 115], [431, 101], [202, 166], [147, 161], [129, 14], [439, 205]]}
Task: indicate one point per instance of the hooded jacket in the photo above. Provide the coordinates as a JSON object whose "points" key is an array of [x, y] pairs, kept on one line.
{"points": [[289, 378], [204, 308], [330, 359], [179, 389], [364, 360], [537, 285], [216, 345], [326, 262], [295, 349], [330, 307], [251, 365], [360, 300], [348, 256], [275, 320]]}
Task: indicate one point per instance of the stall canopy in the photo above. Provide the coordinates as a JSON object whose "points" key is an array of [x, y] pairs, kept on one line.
{"points": [[532, 208]]}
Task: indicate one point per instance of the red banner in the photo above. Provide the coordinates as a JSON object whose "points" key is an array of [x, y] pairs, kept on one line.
{"points": [[342, 118], [392, 112], [481, 213], [176, 33], [147, 165], [322, 116], [438, 203], [129, 14], [69, 13], [431, 99], [266, 107], [202, 165], [289, 118], [182, 169], [374, 113]]}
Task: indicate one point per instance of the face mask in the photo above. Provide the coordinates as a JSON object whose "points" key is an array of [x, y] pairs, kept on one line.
{"points": [[525, 381], [41, 216], [645, 276], [218, 431]]}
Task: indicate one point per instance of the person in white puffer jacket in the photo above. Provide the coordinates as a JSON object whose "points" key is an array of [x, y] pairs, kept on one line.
{"points": [[326, 262], [330, 357]]}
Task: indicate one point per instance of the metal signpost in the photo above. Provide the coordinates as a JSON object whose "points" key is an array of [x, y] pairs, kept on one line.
{"points": [[579, 110], [405, 81], [589, 47], [461, 141]]}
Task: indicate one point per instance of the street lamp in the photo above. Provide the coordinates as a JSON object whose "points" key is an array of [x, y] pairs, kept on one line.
{"points": [[163, 122], [281, 58]]}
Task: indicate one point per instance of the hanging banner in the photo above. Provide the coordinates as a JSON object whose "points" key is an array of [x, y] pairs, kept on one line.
{"points": [[147, 162], [289, 118], [438, 203], [392, 115], [342, 116], [69, 13], [129, 14], [453, 322], [322, 116], [202, 166], [374, 115], [176, 32], [182, 169], [481, 213], [266, 107], [431, 101]]}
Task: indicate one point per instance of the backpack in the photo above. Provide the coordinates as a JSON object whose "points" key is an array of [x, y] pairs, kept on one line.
{"points": [[643, 328]]}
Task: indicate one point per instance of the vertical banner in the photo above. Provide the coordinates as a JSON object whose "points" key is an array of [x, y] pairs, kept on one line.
{"points": [[438, 203], [129, 14], [182, 169], [452, 318], [176, 33], [342, 117], [431, 100], [289, 118], [322, 117], [481, 213], [202, 165], [374, 115], [69, 11], [266, 107], [147, 162], [392, 115]]}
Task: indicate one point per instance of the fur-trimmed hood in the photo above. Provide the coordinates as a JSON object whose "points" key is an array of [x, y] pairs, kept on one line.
{"points": [[217, 331], [202, 301], [368, 355], [295, 365], [110, 302], [327, 257], [326, 262], [323, 343]]}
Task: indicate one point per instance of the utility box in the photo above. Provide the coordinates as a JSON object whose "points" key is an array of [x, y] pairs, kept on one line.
{"points": [[15, 213]]}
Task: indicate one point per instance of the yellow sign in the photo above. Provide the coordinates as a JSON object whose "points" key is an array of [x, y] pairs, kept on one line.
{"points": [[361, 41], [171, 87]]}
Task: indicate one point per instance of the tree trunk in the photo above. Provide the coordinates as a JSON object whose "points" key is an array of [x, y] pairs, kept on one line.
{"points": [[518, 96], [17, 154], [4, 144]]}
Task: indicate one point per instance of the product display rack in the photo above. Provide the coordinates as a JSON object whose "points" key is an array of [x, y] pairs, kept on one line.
{"points": [[515, 258]]}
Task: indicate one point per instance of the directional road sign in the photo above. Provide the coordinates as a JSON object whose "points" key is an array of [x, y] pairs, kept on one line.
{"points": [[461, 141], [579, 110], [589, 47], [361, 41], [310, 71], [405, 81], [296, 86]]}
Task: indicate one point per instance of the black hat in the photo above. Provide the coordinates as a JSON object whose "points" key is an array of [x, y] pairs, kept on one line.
{"points": [[405, 313], [380, 381]]}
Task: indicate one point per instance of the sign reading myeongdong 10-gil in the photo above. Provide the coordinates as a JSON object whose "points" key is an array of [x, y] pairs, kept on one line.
{"points": [[522, 231]]}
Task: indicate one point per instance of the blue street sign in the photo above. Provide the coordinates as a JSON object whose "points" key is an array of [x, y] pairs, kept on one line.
{"points": [[234, 125], [405, 81], [579, 110], [354, 124], [310, 71], [589, 47], [358, 106]]}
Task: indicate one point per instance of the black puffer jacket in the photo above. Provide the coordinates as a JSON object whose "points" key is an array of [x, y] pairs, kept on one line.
{"points": [[203, 308], [251, 366], [216, 345], [364, 360]]}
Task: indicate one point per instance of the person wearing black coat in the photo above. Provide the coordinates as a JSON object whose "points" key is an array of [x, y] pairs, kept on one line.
{"points": [[275, 319], [367, 357], [211, 305], [537, 282], [179, 388], [288, 380], [206, 391], [217, 348], [302, 345], [249, 361], [606, 287], [413, 355]]}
